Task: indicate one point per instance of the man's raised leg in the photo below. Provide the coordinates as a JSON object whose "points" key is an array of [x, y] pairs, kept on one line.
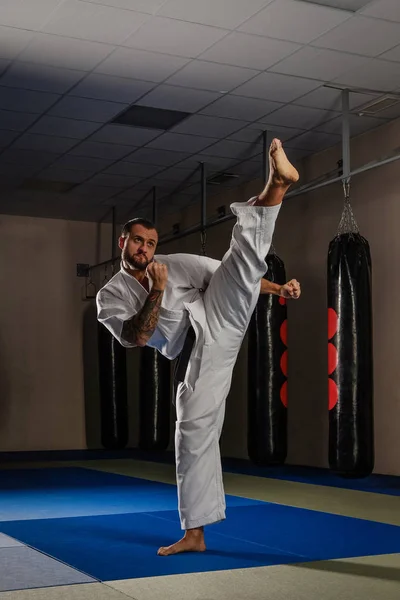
{"points": [[229, 302]]}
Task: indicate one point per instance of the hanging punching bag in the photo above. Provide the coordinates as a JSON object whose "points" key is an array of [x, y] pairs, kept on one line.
{"points": [[113, 390], [154, 400], [267, 374], [350, 361]]}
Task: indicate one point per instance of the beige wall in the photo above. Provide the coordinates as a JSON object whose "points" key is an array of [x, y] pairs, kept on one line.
{"points": [[42, 385]]}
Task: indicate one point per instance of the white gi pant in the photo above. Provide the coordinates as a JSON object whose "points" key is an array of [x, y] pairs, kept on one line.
{"points": [[220, 320]]}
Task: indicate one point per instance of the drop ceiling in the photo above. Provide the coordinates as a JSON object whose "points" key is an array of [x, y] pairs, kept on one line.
{"points": [[70, 68]]}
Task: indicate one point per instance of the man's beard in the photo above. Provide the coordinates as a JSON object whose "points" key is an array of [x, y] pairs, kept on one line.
{"points": [[134, 262]]}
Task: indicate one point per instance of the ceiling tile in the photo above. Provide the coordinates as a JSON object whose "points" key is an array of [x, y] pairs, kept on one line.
{"points": [[331, 99], [7, 137], [3, 65], [13, 41], [177, 175], [280, 88], [114, 180], [99, 150], [42, 79], [16, 170], [183, 143], [213, 127], [212, 163], [46, 143], [175, 37], [295, 21], [115, 89], [145, 6], [124, 134], [54, 173], [82, 163], [140, 64], [281, 132], [358, 125], [94, 22], [65, 52], [61, 127], [151, 156], [231, 149], [16, 121], [383, 9], [253, 51], [178, 98], [132, 169], [28, 157], [299, 117], [236, 107], [362, 35], [317, 63], [375, 75], [213, 12], [96, 192], [211, 76], [393, 54], [98, 111], [314, 140], [26, 101], [20, 13]]}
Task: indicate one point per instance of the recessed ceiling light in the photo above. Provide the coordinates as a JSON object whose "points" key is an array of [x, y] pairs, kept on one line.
{"points": [[151, 118], [350, 5]]}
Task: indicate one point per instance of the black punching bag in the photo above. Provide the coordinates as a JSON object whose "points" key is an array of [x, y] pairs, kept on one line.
{"points": [[267, 374], [350, 360], [113, 391], [154, 400]]}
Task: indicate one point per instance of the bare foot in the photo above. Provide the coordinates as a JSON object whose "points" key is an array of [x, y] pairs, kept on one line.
{"points": [[282, 172], [192, 541]]}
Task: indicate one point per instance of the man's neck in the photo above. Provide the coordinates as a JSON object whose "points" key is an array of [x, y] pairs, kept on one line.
{"points": [[138, 274]]}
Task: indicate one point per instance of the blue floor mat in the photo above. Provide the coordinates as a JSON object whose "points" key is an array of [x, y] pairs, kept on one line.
{"points": [[68, 492], [377, 484], [124, 546]]}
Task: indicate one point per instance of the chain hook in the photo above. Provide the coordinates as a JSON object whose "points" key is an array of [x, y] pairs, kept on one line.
{"points": [[346, 189]]}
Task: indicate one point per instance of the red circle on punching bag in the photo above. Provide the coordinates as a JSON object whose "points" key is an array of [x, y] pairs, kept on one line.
{"points": [[284, 362], [332, 358], [332, 323], [284, 394], [284, 332], [282, 300], [332, 394]]}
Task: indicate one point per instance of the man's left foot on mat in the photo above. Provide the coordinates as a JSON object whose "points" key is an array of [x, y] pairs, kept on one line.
{"points": [[192, 541], [282, 172]]}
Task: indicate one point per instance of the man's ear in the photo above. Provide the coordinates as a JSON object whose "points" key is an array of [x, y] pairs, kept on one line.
{"points": [[121, 242]]}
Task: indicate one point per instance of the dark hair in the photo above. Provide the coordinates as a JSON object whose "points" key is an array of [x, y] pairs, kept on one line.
{"points": [[127, 228]]}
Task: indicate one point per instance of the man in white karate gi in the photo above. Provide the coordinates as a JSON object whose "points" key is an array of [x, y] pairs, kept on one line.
{"points": [[156, 300]]}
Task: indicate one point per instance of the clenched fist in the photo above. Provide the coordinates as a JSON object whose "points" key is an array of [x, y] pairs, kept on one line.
{"points": [[291, 289], [159, 274]]}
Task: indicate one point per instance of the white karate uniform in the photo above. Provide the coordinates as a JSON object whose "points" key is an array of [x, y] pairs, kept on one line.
{"points": [[217, 299]]}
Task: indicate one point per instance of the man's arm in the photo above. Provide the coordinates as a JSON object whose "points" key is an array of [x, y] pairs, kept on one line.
{"points": [[289, 290], [139, 329]]}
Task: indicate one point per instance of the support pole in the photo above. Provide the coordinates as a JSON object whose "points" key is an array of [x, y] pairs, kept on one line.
{"points": [[154, 206], [265, 165], [346, 134], [203, 196], [113, 234]]}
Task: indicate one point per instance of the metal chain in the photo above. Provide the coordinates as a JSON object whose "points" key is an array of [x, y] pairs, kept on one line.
{"points": [[203, 237], [348, 223]]}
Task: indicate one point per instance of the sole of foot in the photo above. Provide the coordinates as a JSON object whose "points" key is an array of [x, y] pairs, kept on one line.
{"points": [[282, 172]]}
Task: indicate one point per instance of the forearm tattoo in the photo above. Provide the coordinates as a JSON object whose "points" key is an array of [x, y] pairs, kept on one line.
{"points": [[140, 328]]}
